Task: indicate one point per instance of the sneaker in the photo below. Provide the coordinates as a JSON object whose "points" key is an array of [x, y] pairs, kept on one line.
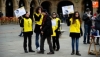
{"points": [[38, 49]]}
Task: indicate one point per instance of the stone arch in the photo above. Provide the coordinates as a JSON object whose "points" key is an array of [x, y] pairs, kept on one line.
{"points": [[62, 3], [21, 3], [9, 8], [46, 5]]}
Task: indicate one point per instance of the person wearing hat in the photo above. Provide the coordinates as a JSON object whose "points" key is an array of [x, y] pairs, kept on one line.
{"points": [[46, 32]]}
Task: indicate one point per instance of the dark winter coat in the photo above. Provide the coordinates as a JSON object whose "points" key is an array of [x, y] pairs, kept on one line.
{"points": [[97, 23], [47, 26]]}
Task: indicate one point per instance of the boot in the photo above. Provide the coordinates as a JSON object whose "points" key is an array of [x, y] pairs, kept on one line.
{"points": [[77, 53], [73, 52]]}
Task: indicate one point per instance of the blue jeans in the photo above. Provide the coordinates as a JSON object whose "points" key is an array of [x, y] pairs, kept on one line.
{"points": [[37, 40], [77, 43], [87, 30]]}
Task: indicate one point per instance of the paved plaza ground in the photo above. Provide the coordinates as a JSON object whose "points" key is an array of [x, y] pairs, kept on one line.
{"points": [[11, 45]]}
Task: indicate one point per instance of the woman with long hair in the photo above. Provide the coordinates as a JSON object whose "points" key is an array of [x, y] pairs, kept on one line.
{"points": [[38, 22], [75, 31]]}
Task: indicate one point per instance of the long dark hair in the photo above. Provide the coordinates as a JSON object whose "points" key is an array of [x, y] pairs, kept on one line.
{"points": [[37, 9], [74, 17]]}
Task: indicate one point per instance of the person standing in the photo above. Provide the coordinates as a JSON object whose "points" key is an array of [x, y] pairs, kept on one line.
{"points": [[27, 25], [38, 22], [46, 31], [75, 32], [21, 33], [56, 31], [97, 26], [87, 25]]}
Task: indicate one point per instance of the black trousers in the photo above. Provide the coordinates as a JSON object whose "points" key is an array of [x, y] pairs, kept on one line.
{"points": [[27, 36], [88, 36], [49, 43], [56, 41]]}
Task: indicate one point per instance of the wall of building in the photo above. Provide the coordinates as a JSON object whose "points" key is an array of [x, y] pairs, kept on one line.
{"points": [[78, 6]]}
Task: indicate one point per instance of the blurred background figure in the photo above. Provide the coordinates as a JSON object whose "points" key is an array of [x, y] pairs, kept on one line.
{"points": [[87, 25], [21, 33]]}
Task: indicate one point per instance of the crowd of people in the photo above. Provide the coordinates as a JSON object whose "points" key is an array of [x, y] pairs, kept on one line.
{"points": [[48, 27]]}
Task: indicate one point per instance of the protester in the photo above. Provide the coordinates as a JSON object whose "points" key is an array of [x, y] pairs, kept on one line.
{"points": [[75, 32], [27, 25], [46, 33], [87, 26], [56, 31], [38, 21]]}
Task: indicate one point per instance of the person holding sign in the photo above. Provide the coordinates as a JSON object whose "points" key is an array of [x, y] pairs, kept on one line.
{"points": [[27, 25], [75, 31]]}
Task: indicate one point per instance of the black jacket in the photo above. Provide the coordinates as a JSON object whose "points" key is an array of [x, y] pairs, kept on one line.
{"points": [[47, 26], [37, 27], [97, 22], [87, 20]]}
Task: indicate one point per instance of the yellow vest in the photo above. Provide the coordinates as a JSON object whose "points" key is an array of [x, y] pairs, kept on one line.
{"points": [[57, 19], [40, 21], [75, 28], [28, 25], [53, 27]]}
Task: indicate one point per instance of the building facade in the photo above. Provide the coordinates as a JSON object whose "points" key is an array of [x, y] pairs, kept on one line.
{"points": [[8, 6]]}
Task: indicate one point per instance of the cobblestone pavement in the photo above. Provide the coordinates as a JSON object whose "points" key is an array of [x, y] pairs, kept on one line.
{"points": [[11, 45]]}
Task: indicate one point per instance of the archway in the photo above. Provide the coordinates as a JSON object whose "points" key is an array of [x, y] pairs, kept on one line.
{"points": [[21, 3], [61, 4], [9, 8], [31, 9], [46, 5], [88, 4]]}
